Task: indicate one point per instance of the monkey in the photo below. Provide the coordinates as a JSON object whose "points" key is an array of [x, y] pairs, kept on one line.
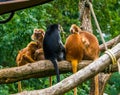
{"points": [[91, 44], [89, 50], [39, 55], [53, 47], [38, 36], [74, 51], [33, 52], [26, 56]]}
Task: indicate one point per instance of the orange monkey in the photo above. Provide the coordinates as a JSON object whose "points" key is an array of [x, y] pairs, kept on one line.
{"points": [[38, 36], [91, 44], [33, 52], [89, 47], [74, 51], [26, 56]]}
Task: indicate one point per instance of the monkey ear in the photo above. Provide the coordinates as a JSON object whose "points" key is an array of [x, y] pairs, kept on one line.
{"points": [[34, 30]]}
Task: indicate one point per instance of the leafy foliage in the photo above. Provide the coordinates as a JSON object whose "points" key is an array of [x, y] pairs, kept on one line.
{"points": [[16, 34], [113, 88]]}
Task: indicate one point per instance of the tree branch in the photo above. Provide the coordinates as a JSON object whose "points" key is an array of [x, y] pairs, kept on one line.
{"points": [[14, 5], [79, 77], [40, 69], [110, 43]]}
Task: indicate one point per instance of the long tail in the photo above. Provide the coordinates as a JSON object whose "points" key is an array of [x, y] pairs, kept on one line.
{"points": [[19, 86], [74, 68], [94, 86], [56, 69]]}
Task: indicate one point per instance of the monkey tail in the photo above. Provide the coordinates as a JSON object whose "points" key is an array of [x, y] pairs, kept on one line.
{"points": [[56, 69], [74, 65], [74, 68]]}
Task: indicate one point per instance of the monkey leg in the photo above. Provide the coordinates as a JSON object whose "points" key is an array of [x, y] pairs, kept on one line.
{"points": [[74, 68], [19, 86], [28, 59], [50, 80]]}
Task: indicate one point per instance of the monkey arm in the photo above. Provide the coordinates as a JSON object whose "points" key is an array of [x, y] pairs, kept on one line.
{"points": [[28, 59], [62, 54], [61, 46]]}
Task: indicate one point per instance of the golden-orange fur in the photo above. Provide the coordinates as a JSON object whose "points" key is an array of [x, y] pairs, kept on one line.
{"points": [[38, 36], [39, 54], [26, 55], [74, 51], [33, 52], [73, 47], [89, 46]]}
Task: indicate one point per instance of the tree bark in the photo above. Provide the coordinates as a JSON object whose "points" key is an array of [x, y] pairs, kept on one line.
{"points": [[14, 5], [86, 17], [110, 43], [79, 77], [41, 69], [103, 78]]}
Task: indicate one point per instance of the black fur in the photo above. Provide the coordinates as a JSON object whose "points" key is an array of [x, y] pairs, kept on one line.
{"points": [[53, 47]]}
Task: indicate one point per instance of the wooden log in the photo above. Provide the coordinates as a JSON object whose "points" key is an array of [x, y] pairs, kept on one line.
{"points": [[79, 77], [39, 69], [14, 5], [110, 43], [43, 69]]}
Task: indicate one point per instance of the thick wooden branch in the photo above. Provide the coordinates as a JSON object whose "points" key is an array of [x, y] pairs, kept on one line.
{"points": [[42, 69], [110, 43], [14, 5], [38, 69], [79, 77]]}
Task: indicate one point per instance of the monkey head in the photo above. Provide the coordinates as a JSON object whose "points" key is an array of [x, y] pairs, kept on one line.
{"points": [[32, 45], [38, 34], [74, 28], [54, 27]]}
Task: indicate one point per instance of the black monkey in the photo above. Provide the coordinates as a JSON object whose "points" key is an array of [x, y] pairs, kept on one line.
{"points": [[53, 46]]}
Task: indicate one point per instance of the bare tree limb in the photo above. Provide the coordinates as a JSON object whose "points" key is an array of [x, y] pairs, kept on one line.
{"points": [[79, 77], [39, 69], [103, 77], [110, 43], [14, 5]]}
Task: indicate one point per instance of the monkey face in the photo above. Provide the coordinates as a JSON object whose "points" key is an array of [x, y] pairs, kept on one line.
{"points": [[75, 29], [38, 34]]}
